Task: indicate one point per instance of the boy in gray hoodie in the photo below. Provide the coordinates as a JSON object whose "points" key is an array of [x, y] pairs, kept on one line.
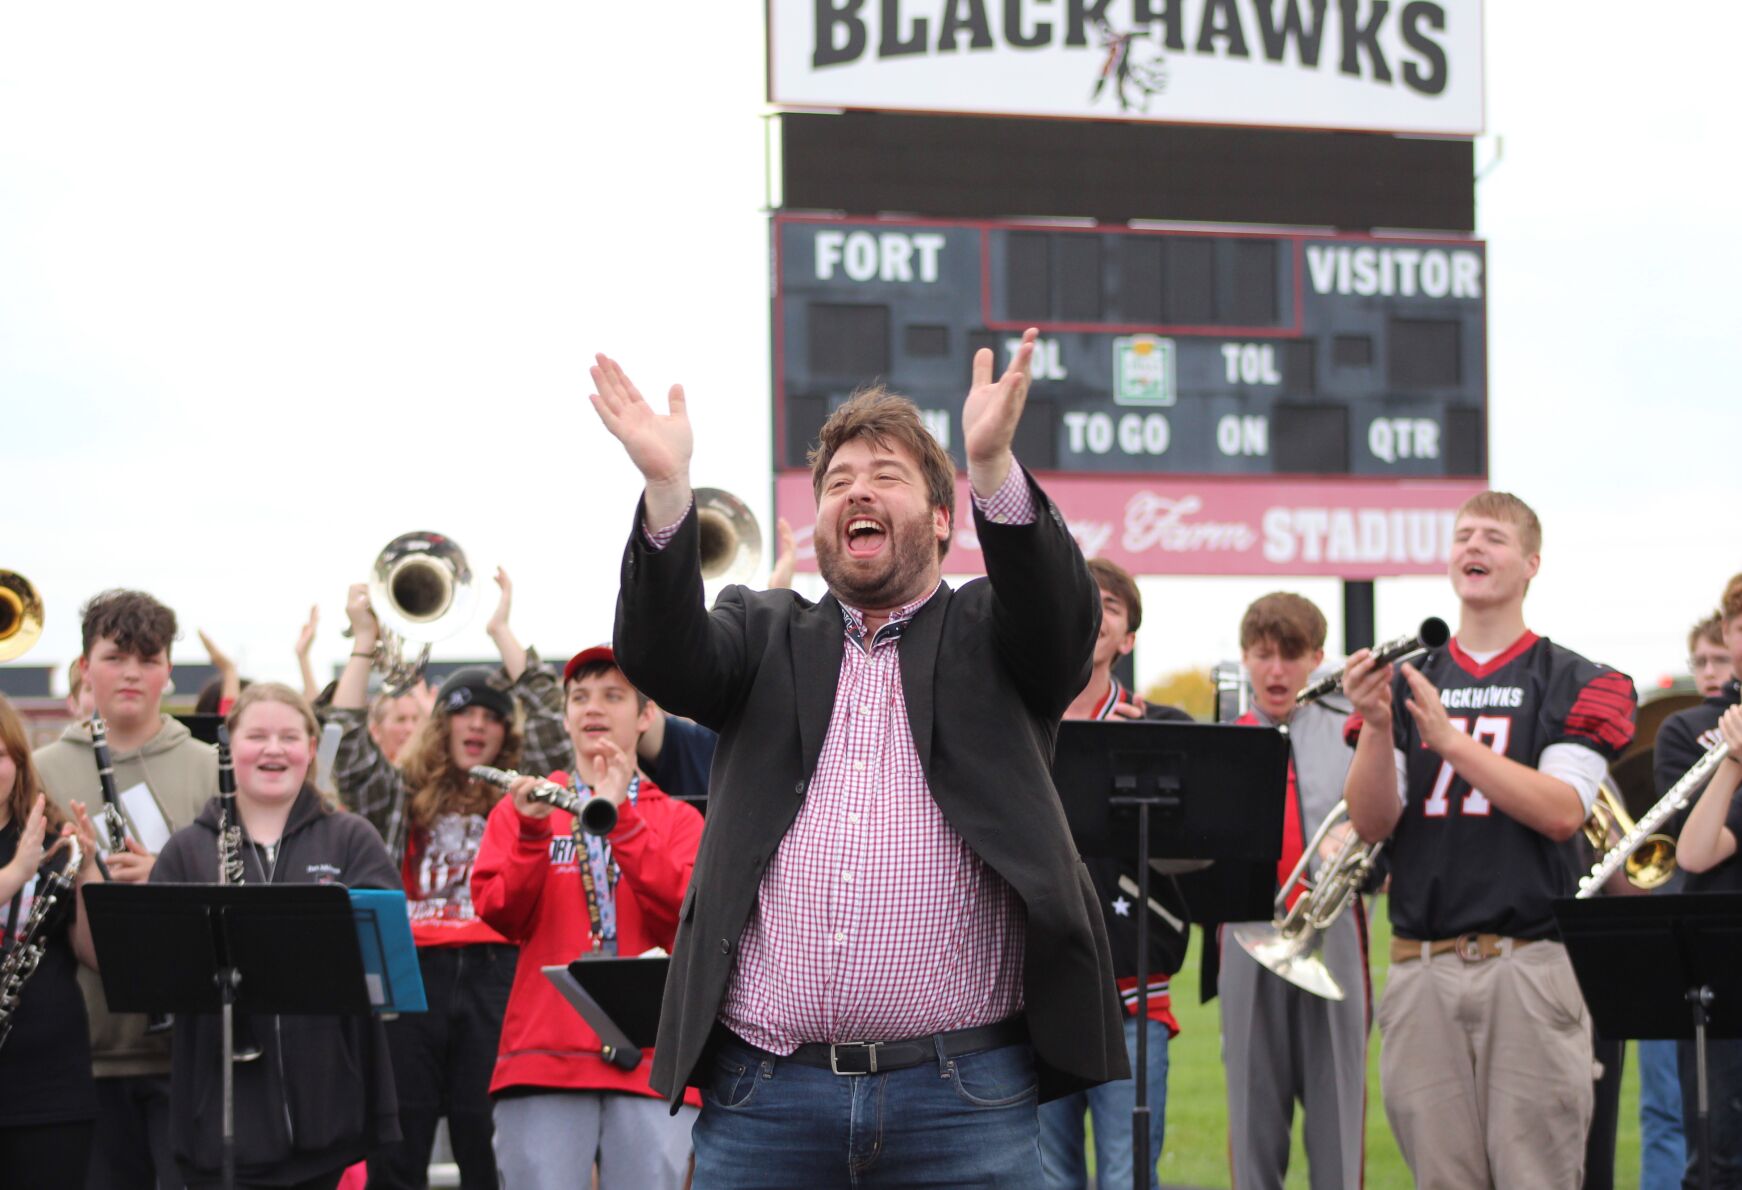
{"points": [[164, 776]]}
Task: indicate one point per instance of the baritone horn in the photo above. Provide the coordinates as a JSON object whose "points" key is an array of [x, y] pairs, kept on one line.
{"points": [[420, 588], [20, 615], [1290, 945], [731, 542]]}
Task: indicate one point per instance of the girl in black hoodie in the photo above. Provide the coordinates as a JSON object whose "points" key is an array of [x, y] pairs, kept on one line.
{"points": [[321, 1094]]}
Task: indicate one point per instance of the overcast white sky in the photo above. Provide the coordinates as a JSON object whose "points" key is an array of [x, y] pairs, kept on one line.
{"points": [[278, 283]]}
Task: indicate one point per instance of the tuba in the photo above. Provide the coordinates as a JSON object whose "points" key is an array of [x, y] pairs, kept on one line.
{"points": [[20, 615], [731, 542], [421, 590]]}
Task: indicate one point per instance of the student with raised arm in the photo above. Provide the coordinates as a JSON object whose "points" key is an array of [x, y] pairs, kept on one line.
{"points": [[431, 812], [887, 908], [1480, 762]]}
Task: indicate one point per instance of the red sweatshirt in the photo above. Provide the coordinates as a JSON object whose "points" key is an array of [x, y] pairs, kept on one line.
{"points": [[527, 885]]}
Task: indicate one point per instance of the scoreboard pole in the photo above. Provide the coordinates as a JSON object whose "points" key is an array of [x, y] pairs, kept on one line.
{"points": [[1357, 615]]}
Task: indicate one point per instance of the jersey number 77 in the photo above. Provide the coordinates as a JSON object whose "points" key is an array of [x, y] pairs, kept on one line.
{"points": [[1493, 730]]}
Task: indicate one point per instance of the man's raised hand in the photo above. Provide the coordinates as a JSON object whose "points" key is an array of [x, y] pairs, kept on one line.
{"points": [[990, 415], [659, 444]]}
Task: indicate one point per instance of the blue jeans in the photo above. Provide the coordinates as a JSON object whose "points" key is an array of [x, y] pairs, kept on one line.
{"points": [[1663, 1151], [768, 1123], [1061, 1122]]}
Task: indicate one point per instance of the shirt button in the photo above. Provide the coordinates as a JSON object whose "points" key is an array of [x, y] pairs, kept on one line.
{"points": [[847, 876], [859, 766], [853, 817], [840, 937]]}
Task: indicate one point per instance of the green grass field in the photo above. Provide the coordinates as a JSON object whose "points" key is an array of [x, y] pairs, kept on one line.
{"points": [[1196, 1150]]}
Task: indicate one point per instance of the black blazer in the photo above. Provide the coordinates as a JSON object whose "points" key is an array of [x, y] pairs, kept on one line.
{"points": [[986, 671]]}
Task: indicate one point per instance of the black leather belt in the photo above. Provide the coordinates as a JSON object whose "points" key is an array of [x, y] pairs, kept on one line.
{"points": [[876, 1057]]}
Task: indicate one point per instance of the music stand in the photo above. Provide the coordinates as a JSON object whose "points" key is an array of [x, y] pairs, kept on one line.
{"points": [[1683, 958], [1210, 790], [266, 949], [619, 999]]}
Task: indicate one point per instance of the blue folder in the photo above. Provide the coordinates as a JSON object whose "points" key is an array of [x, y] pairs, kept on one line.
{"points": [[389, 957]]}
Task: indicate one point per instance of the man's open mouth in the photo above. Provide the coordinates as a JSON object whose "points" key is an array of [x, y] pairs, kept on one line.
{"points": [[865, 537]]}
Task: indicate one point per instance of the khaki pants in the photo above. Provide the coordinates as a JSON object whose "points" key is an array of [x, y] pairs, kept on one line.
{"points": [[1486, 1069]]}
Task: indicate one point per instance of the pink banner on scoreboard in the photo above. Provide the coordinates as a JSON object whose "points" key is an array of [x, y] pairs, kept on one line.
{"points": [[1194, 526]]}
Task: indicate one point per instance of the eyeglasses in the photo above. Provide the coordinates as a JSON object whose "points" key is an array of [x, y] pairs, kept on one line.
{"points": [[1709, 661]]}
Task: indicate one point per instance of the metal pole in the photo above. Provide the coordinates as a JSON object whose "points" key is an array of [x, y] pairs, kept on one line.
{"points": [[1140, 1111], [1357, 615]]}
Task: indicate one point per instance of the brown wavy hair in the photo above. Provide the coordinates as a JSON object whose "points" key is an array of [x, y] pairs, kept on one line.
{"points": [[26, 784], [437, 785], [883, 417]]}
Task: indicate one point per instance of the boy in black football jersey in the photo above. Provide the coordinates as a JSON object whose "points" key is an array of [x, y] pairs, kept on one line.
{"points": [[1480, 762], [1706, 849]]}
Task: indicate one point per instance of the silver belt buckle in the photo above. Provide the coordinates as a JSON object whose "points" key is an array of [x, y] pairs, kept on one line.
{"points": [[1468, 947], [870, 1048]]}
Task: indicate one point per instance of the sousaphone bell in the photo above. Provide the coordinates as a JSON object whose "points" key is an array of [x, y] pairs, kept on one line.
{"points": [[420, 588], [731, 541], [20, 615]]}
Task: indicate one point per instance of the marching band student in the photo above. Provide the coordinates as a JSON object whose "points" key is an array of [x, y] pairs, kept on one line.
{"points": [[1663, 1150], [48, 1101], [432, 813], [1281, 1043], [1109, 1105], [166, 775], [1481, 762], [1710, 660], [1706, 848], [559, 1104], [321, 1094]]}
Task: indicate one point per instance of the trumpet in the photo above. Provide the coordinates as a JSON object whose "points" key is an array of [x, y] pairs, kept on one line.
{"points": [[1431, 635], [20, 615], [1639, 836], [420, 588], [1651, 863], [596, 815], [1289, 946]]}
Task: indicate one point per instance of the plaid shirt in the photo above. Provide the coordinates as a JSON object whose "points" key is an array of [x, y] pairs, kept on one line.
{"points": [[367, 782], [875, 920]]}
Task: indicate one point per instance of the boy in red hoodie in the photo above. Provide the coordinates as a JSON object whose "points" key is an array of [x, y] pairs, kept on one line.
{"points": [[559, 1105]]}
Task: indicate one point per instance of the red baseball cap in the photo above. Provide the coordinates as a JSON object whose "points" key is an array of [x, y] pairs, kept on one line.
{"points": [[588, 657]]}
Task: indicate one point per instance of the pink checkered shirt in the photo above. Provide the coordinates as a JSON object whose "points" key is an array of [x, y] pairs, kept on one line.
{"points": [[875, 921]]}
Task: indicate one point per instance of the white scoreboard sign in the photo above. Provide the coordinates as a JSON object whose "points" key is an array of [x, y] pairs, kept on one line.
{"points": [[1412, 66]]}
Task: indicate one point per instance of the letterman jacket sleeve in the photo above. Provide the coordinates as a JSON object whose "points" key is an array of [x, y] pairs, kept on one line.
{"points": [[654, 844], [509, 873]]}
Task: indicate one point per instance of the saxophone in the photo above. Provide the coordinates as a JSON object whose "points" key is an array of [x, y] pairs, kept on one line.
{"points": [[20, 962]]}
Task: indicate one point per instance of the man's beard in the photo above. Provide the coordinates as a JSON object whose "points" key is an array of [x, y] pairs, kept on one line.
{"points": [[905, 564]]}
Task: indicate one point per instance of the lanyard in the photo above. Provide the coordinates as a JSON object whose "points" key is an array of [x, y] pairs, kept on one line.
{"points": [[598, 867]]}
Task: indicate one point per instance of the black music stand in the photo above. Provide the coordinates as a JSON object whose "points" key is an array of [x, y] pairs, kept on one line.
{"points": [[263, 949], [619, 999], [1679, 959], [1210, 791]]}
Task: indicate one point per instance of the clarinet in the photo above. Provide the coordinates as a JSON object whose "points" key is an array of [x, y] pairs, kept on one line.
{"points": [[596, 815], [27, 951], [243, 1047], [229, 828], [113, 822]]}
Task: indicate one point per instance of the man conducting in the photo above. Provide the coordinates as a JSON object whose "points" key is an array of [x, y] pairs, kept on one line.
{"points": [[889, 952]]}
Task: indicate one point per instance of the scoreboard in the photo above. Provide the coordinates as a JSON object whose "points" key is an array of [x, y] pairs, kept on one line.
{"points": [[1204, 401]]}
